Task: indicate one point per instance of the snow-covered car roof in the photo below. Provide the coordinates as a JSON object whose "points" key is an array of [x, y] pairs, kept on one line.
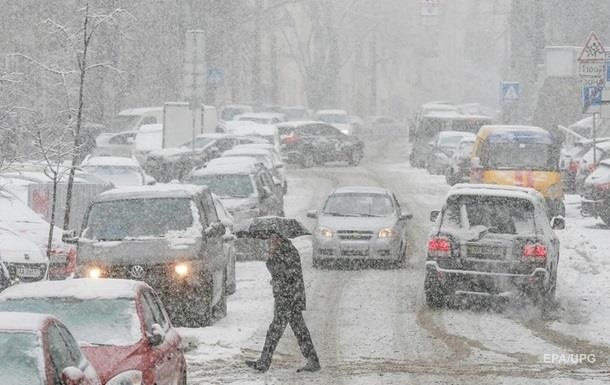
{"points": [[110, 161], [361, 190], [237, 161], [171, 190], [455, 115], [246, 127], [226, 169], [444, 134], [331, 112], [260, 115], [82, 288], [298, 123], [16, 321], [529, 134], [140, 110], [494, 190]]}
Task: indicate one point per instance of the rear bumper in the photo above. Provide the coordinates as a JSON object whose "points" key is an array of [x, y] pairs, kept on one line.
{"points": [[454, 280]]}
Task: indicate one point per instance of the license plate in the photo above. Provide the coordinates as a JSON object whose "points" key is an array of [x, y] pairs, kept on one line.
{"points": [[490, 252], [25, 272]]}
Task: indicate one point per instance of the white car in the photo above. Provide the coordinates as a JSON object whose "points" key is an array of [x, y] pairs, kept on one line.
{"points": [[336, 118], [21, 260], [23, 221], [268, 132], [262, 117], [279, 169], [117, 170]]}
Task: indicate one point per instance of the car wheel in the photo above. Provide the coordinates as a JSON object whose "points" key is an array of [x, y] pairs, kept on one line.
{"points": [[355, 157], [401, 261], [308, 160], [435, 295]]}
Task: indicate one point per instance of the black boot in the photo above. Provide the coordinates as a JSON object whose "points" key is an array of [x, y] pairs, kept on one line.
{"points": [[310, 366]]}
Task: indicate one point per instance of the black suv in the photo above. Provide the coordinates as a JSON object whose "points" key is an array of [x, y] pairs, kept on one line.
{"points": [[311, 143]]}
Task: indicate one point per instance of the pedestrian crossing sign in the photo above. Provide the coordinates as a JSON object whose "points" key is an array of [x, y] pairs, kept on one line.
{"points": [[510, 91]]}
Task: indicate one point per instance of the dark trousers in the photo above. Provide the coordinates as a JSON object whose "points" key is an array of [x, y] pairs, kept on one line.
{"points": [[281, 318]]}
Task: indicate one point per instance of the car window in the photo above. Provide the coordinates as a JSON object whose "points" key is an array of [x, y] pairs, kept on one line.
{"points": [[209, 208], [149, 120], [326, 130]]}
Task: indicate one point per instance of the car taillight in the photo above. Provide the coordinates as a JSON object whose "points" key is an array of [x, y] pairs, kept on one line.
{"points": [[603, 187], [534, 252], [290, 139], [439, 247], [573, 166]]}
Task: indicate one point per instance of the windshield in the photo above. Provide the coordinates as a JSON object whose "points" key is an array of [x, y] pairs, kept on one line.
{"points": [[226, 186], [92, 321], [118, 175], [21, 359], [520, 156], [122, 123], [450, 141], [135, 218], [359, 205], [494, 214], [333, 118]]}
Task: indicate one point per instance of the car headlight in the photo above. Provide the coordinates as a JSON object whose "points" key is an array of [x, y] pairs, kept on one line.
{"points": [[345, 131], [130, 377], [94, 272], [325, 232], [182, 269], [388, 232]]}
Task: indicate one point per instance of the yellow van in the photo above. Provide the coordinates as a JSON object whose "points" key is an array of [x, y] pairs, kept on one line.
{"points": [[523, 156]]}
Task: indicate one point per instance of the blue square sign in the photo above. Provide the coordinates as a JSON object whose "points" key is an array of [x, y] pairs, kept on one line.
{"points": [[510, 91]]}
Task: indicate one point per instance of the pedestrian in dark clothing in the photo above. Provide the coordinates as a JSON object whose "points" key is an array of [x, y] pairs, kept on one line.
{"points": [[284, 264]]}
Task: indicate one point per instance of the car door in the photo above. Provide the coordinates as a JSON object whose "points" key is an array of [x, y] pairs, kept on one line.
{"points": [[213, 245], [164, 355]]}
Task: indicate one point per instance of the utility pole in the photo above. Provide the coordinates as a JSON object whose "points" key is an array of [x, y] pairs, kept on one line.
{"points": [[257, 54], [373, 60]]}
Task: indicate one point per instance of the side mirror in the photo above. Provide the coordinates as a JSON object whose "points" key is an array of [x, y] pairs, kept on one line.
{"points": [[70, 237], [404, 217], [558, 223], [216, 229], [72, 376], [434, 215], [156, 336], [312, 214]]}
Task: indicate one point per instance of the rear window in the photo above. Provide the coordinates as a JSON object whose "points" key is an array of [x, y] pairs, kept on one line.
{"points": [[501, 215], [136, 218], [21, 358], [227, 186]]}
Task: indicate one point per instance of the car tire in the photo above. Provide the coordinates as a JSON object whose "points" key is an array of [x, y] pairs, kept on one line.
{"points": [[401, 262], [435, 295], [308, 160]]}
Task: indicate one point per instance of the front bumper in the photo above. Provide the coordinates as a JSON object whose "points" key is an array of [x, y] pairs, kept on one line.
{"points": [[374, 249], [454, 281]]}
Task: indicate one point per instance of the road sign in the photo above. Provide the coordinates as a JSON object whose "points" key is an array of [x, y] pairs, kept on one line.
{"points": [[510, 91], [591, 98], [593, 50], [605, 107], [592, 69], [216, 76]]}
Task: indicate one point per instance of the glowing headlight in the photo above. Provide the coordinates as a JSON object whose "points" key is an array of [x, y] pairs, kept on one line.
{"points": [[94, 272], [130, 377], [182, 269], [345, 131], [388, 232], [325, 232]]}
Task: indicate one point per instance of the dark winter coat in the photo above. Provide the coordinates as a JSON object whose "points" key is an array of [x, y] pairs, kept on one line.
{"points": [[284, 264]]}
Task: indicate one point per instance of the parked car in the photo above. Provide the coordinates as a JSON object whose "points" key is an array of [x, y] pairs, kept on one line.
{"points": [[117, 144], [442, 148], [261, 117], [22, 220], [37, 349], [569, 163], [230, 111], [596, 193], [459, 165], [175, 163], [148, 139], [245, 187], [360, 223], [117, 170], [588, 163], [121, 325], [169, 236], [21, 260], [337, 118], [268, 157], [279, 169], [311, 143], [229, 243], [243, 129], [492, 240]]}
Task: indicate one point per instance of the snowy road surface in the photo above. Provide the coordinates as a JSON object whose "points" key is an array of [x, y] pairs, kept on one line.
{"points": [[372, 326]]}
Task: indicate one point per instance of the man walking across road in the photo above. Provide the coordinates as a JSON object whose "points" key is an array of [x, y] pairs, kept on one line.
{"points": [[284, 264]]}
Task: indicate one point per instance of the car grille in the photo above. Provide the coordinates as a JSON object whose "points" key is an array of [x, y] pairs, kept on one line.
{"points": [[26, 272], [347, 235], [354, 252]]}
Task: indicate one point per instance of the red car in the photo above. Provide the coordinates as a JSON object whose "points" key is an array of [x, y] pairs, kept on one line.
{"points": [[37, 349], [121, 325]]}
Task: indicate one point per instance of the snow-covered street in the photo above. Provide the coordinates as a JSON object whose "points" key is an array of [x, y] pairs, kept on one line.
{"points": [[373, 327]]}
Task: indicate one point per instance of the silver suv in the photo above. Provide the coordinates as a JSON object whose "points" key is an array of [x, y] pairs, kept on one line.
{"points": [[492, 240], [168, 236]]}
